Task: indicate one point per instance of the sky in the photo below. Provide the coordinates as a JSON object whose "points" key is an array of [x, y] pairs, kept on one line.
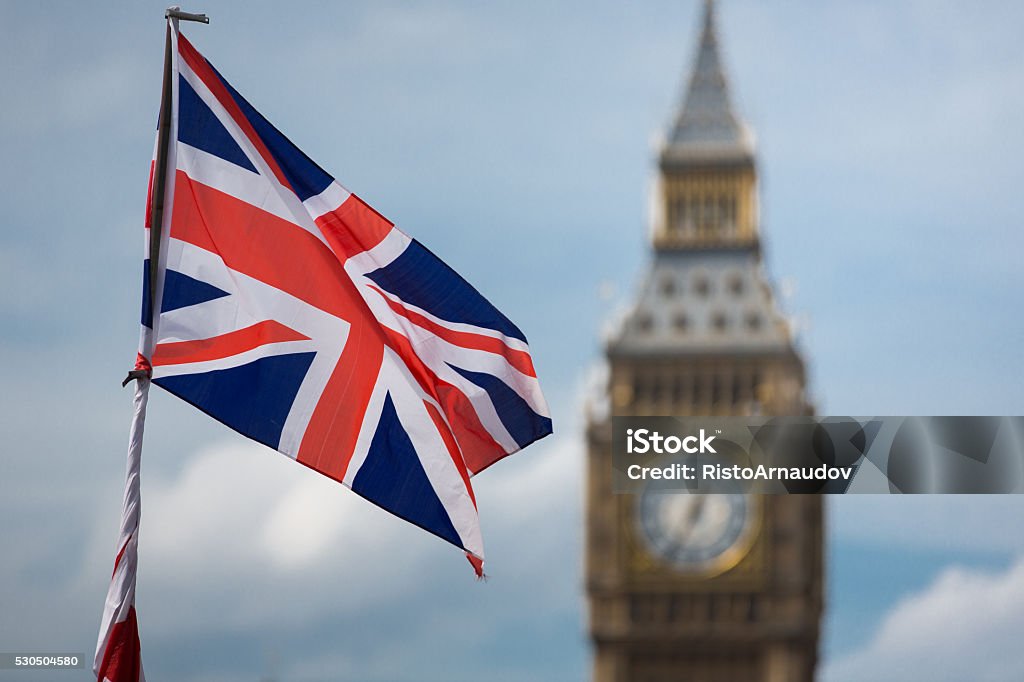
{"points": [[515, 140]]}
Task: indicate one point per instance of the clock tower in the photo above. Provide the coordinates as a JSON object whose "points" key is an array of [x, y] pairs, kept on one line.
{"points": [[704, 588]]}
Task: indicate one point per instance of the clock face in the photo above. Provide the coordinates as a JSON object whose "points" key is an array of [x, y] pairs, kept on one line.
{"points": [[697, 533]]}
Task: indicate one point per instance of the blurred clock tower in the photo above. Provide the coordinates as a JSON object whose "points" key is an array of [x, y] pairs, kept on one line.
{"points": [[712, 588]]}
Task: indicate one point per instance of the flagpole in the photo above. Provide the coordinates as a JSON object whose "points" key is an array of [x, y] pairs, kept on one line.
{"points": [[118, 650], [172, 14]]}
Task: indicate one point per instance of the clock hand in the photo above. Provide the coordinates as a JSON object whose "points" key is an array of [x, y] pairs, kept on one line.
{"points": [[698, 509], [684, 528]]}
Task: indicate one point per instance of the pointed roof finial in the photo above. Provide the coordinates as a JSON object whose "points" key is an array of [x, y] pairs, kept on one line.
{"points": [[706, 124]]}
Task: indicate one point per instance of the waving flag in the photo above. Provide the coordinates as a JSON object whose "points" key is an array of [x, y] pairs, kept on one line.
{"points": [[290, 310], [300, 317], [297, 315]]}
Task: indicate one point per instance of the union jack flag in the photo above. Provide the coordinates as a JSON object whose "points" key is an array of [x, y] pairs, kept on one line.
{"points": [[296, 314], [287, 308]]}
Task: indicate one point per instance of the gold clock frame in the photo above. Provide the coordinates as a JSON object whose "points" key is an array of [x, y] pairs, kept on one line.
{"points": [[750, 549]]}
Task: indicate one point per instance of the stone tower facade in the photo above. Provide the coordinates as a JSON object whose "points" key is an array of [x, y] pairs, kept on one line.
{"points": [[704, 337]]}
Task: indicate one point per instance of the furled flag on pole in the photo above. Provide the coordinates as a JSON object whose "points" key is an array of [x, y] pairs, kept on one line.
{"points": [[284, 306]]}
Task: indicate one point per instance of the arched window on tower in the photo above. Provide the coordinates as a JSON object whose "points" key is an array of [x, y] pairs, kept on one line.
{"points": [[680, 215], [708, 218], [724, 224], [683, 216], [716, 389], [737, 391]]}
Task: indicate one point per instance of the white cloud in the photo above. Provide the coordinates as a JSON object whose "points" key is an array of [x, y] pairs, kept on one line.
{"points": [[965, 626], [320, 512], [248, 507], [240, 520]]}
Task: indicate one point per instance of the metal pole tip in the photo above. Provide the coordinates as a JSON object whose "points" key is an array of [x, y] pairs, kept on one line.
{"points": [[176, 13]]}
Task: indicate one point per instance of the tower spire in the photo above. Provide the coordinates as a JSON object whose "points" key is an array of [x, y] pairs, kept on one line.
{"points": [[706, 125]]}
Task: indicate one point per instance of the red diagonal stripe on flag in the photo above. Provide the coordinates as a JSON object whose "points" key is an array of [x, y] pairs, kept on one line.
{"points": [[120, 555], [353, 227], [478, 448], [205, 72], [453, 449], [516, 358], [265, 247], [252, 241], [225, 345]]}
